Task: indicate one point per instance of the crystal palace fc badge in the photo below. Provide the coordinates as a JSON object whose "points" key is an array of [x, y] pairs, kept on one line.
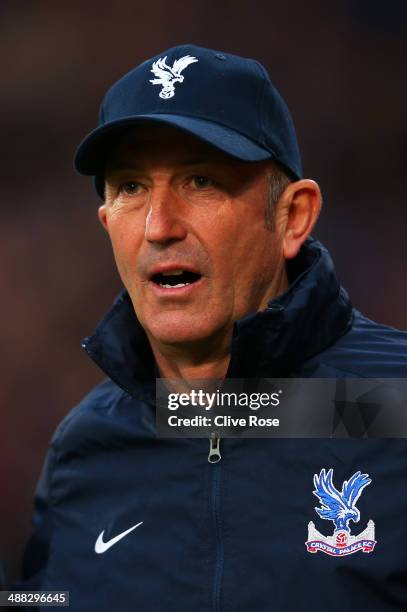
{"points": [[340, 507]]}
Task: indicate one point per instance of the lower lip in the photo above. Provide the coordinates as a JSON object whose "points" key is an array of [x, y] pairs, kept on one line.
{"points": [[176, 292]]}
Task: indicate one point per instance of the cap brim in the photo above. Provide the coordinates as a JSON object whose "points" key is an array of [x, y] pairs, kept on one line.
{"points": [[90, 157]]}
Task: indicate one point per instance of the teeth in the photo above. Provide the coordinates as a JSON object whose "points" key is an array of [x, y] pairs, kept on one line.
{"points": [[174, 286], [173, 273]]}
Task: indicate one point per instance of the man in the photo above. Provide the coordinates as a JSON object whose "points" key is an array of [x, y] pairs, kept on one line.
{"points": [[196, 161]]}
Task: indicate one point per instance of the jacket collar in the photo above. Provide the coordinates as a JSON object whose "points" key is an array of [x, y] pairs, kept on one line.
{"points": [[309, 317]]}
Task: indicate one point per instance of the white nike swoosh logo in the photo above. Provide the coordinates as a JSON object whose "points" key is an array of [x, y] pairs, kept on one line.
{"points": [[101, 546]]}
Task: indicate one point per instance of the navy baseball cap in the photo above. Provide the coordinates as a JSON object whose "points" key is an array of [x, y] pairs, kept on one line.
{"points": [[223, 99]]}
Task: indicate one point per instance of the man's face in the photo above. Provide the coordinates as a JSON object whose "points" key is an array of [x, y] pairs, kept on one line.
{"points": [[187, 225]]}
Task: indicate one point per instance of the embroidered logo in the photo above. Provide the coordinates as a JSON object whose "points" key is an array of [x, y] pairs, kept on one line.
{"points": [[101, 546], [340, 507], [167, 76]]}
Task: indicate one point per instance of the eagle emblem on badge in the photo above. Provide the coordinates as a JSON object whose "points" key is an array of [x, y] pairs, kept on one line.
{"points": [[340, 508], [167, 76]]}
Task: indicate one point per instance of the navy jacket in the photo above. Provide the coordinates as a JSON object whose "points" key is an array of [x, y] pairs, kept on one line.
{"points": [[230, 536]]}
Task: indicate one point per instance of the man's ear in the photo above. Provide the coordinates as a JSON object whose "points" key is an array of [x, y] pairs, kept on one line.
{"points": [[102, 214], [302, 200]]}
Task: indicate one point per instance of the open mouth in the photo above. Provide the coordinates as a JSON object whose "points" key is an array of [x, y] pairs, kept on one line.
{"points": [[175, 279]]}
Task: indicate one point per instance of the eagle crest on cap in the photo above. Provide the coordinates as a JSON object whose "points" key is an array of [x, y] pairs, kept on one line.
{"points": [[167, 76]]}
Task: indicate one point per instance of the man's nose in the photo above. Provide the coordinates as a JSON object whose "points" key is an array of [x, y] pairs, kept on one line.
{"points": [[164, 222]]}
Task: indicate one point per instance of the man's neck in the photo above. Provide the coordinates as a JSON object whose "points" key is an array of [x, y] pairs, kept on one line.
{"points": [[193, 362]]}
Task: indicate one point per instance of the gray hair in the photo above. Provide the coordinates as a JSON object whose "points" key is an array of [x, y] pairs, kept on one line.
{"points": [[278, 180]]}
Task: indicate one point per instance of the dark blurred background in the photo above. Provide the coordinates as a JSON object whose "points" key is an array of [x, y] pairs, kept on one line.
{"points": [[341, 66]]}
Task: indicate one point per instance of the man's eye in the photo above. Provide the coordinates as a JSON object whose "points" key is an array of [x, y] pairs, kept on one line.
{"points": [[130, 187], [200, 182]]}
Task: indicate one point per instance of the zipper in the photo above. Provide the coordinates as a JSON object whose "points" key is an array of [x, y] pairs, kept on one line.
{"points": [[214, 448], [215, 457]]}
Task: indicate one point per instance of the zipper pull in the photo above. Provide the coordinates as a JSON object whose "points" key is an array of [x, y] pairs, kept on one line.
{"points": [[214, 448]]}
